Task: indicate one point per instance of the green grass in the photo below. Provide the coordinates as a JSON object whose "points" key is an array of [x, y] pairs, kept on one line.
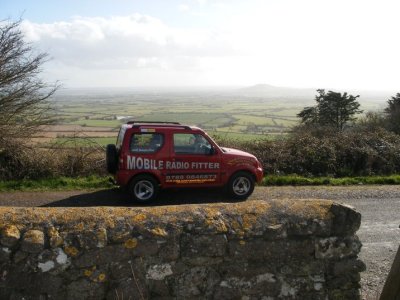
{"points": [[57, 184], [99, 182], [300, 180]]}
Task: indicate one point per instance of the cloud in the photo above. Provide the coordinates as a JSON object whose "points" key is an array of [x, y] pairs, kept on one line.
{"points": [[183, 7], [308, 43], [135, 41]]}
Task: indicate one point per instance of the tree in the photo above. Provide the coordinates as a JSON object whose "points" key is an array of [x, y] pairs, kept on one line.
{"points": [[393, 114], [24, 95], [333, 110], [372, 121]]}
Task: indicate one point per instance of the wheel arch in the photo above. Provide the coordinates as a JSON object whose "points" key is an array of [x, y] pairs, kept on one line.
{"points": [[144, 174], [252, 174]]}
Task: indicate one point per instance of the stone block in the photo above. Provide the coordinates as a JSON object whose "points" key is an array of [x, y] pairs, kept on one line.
{"points": [[346, 220], [5, 254], [55, 240], [345, 266], [9, 235], [337, 247], [203, 245], [279, 250], [195, 282], [103, 256], [33, 241], [169, 250], [84, 289], [130, 288], [310, 227]]}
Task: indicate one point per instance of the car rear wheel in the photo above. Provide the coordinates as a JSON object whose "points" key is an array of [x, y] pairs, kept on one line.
{"points": [[241, 185], [111, 158], [144, 188]]}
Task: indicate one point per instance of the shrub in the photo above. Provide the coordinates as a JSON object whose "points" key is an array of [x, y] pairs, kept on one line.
{"points": [[349, 153], [21, 162]]}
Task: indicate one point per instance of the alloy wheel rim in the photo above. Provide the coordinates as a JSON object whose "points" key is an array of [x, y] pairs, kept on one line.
{"points": [[144, 190], [241, 186]]}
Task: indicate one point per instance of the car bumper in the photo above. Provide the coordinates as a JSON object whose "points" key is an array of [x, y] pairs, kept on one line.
{"points": [[259, 175], [122, 178]]}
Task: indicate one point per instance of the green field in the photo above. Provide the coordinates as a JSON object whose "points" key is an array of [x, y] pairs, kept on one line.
{"points": [[224, 113], [237, 117], [97, 123]]}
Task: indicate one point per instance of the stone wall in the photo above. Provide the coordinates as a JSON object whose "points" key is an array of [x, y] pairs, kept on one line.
{"points": [[304, 249]]}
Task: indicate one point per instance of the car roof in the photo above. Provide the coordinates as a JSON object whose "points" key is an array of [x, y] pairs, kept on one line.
{"points": [[160, 125]]}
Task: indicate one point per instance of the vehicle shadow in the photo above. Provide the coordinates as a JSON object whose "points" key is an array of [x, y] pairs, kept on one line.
{"points": [[118, 197]]}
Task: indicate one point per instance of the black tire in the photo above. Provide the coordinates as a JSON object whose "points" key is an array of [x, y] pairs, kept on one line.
{"points": [[144, 188], [241, 185], [111, 158]]}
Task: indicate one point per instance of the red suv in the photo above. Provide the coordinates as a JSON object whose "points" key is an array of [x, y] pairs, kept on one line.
{"points": [[149, 156]]}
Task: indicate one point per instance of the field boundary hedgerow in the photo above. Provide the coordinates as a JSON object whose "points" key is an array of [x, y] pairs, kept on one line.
{"points": [[103, 182]]}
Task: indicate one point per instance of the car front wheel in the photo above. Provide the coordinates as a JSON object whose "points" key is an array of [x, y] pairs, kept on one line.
{"points": [[241, 185], [144, 188]]}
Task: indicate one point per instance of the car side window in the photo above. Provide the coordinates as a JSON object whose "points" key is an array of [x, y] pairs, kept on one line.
{"points": [[146, 142], [188, 143]]}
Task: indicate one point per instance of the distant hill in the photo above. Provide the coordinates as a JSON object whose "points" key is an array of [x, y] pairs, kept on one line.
{"points": [[369, 100]]}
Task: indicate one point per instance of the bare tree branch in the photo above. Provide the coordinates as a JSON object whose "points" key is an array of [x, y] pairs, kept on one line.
{"points": [[24, 105]]}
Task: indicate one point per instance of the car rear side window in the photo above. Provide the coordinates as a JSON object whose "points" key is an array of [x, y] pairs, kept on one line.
{"points": [[120, 137], [146, 142]]}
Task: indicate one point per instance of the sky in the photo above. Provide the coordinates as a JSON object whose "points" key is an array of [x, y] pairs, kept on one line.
{"points": [[343, 44]]}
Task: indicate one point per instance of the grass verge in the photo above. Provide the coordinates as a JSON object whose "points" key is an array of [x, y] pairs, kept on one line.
{"points": [[98, 182], [300, 180], [57, 184]]}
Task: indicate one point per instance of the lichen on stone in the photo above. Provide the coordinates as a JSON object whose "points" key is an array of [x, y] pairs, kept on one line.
{"points": [[139, 218], [249, 221], [55, 239], [101, 277], [61, 258], [216, 224], [317, 208], [159, 272], [101, 235], [33, 241], [10, 235], [159, 232], [47, 266], [71, 251], [131, 243]]}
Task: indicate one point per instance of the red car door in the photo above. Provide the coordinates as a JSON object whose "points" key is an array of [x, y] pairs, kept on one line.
{"points": [[194, 161]]}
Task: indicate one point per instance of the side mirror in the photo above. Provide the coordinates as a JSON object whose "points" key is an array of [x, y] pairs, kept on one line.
{"points": [[212, 151]]}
